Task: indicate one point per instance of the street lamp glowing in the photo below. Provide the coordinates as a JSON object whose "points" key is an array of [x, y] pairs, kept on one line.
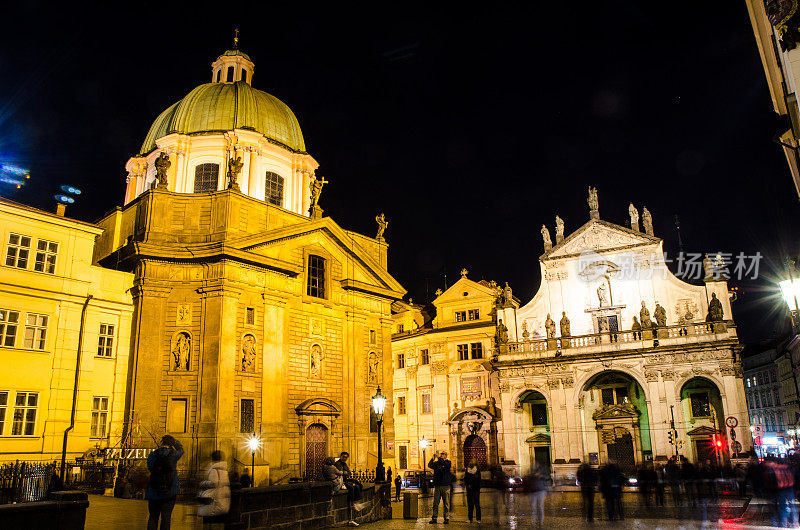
{"points": [[423, 443], [378, 406], [790, 289], [378, 402], [253, 443]]}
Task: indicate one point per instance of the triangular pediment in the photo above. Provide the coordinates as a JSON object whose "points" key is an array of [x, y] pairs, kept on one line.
{"points": [[616, 412], [703, 430], [599, 236], [455, 293]]}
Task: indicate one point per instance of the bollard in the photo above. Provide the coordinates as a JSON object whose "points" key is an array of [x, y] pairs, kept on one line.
{"points": [[410, 508]]}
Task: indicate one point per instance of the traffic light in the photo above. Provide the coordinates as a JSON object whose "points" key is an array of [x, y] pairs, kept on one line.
{"points": [[671, 436], [718, 442]]}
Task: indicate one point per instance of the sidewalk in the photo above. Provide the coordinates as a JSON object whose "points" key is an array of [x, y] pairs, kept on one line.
{"points": [[106, 513]]}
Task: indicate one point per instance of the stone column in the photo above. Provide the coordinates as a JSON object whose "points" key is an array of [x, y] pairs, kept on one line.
{"points": [[180, 171], [277, 422], [658, 415], [252, 174]]}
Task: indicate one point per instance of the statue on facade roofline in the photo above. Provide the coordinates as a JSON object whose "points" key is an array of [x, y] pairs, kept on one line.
{"points": [[660, 315], [235, 166], [315, 187], [565, 331], [382, 224], [559, 230], [594, 204], [507, 294], [644, 317], [647, 221], [550, 327], [162, 164], [548, 243], [501, 333], [634, 213], [715, 312]]}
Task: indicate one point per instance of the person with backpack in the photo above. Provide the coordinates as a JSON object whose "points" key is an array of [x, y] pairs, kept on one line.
{"points": [[162, 485], [215, 491], [780, 481]]}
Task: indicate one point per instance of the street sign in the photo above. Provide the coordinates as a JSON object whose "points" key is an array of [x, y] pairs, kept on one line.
{"points": [[731, 422]]}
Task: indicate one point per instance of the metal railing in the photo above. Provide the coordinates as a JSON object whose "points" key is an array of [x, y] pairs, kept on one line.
{"points": [[24, 481]]}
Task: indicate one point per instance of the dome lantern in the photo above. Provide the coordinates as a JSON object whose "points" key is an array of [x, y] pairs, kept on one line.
{"points": [[233, 65]]}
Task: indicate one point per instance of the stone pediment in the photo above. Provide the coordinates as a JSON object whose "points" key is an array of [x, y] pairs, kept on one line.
{"points": [[616, 412], [464, 285], [703, 430], [539, 438], [599, 236]]}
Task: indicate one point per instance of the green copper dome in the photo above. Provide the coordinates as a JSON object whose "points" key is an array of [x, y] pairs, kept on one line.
{"points": [[221, 107]]}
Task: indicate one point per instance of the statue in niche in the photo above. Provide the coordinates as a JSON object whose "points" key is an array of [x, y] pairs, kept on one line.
{"points": [[644, 317], [235, 166], [594, 203], [550, 327], [382, 224], [181, 352], [559, 229], [548, 243], [602, 325], [162, 164], [372, 362], [249, 353], [660, 314], [634, 213], [715, 312], [602, 294], [647, 221], [565, 330], [501, 333], [315, 362]]}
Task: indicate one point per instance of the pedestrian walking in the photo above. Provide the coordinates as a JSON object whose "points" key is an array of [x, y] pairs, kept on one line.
{"points": [[587, 477], [389, 475], [472, 485], [537, 484], [644, 481], [246, 480], [673, 476], [162, 484], [779, 480], [611, 480], [658, 484], [215, 493], [398, 482], [442, 478]]}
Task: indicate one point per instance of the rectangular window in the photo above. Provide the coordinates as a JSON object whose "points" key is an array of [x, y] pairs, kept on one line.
{"points": [[426, 403], [176, 415], [105, 342], [206, 177], [273, 189], [463, 351], [701, 407], [3, 407], [424, 357], [9, 321], [777, 398], [476, 349], [372, 337], [401, 360], [250, 316], [19, 248], [373, 421], [247, 416], [400, 328], [622, 394], [316, 276], [99, 417], [401, 404], [538, 414], [461, 316], [45, 256], [35, 331], [24, 422], [474, 314], [607, 396]]}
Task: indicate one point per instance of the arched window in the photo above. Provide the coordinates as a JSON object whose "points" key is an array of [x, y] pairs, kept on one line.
{"points": [[230, 75], [206, 177], [273, 192]]}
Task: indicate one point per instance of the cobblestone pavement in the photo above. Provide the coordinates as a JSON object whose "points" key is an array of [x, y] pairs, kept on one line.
{"points": [[562, 510]]}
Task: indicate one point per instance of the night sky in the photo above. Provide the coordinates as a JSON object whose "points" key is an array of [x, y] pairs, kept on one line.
{"points": [[468, 128]]}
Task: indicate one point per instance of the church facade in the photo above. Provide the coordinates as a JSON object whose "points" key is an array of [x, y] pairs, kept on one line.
{"points": [[614, 358], [254, 315]]}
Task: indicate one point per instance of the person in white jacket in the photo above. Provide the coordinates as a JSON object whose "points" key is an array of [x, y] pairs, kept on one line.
{"points": [[217, 487]]}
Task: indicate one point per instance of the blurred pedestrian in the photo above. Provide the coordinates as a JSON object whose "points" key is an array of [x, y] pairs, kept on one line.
{"points": [[611, 480], [215, 492], [537, 484], [643, 481], [245, 479], [442, 479], [673, 475], [780, 481], [587, 478], [389, 475], [398, 482], [658, 484], [162, 485], [472, 487]]}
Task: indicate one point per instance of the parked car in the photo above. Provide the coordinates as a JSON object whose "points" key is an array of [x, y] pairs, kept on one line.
{"points": [[412, 478]]}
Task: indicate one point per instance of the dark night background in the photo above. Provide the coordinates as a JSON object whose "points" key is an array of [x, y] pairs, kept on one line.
{"points": [[468, 128]]}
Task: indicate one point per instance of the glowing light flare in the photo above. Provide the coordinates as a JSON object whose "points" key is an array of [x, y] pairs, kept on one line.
{"points": [[14, 170], [423, 443], [790, 289], [65, 199], [378, 402], [253, 443], [70, 189]]}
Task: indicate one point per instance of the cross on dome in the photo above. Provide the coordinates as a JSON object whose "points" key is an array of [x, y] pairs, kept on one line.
{"points": [[464, 273]]}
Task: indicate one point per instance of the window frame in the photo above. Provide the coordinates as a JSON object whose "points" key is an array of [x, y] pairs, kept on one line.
{"points": [[423, 402], [3, 409], [37, 327], [424, 356], [46, 254], [274, 181], [5, 324], [473, 314], [476, 347], [98, 412], [26, 408], [462, 351], [401, 406], [459, 316], [248, 312], [198, 167], [105, 340], [698, 393], [313, 281], [401, 361], [242, 418], [18, 248]]}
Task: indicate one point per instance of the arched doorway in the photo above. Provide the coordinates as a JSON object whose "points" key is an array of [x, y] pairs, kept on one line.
{"points": [[316, 450], [534, 408], [701, 404], [615, 405], [475, 449]]}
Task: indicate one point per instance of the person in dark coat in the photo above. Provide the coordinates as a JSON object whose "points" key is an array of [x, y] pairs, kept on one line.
{"points": [[353, 486], [587, 477], [245, 479], [162, 485], [472, 485], [442, 478], [398, 482], [611, 481]]}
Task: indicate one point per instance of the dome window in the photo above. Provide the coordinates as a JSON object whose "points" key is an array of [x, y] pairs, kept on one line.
{"points": [[206, 177], [219, 74], [229, 79], [273, 192], [244, 75]]}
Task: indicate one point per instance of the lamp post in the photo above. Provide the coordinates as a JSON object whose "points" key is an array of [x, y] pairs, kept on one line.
{"points": [[423, 485], [378, 405], [753, 437], [790, 289], [253, 443]]}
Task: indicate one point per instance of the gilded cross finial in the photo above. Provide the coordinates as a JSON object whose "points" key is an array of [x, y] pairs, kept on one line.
{"points": [[236, 39], [464, 273]]}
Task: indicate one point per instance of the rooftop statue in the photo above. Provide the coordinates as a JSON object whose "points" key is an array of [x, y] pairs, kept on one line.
{"points": [[660, 315], [548, 243], [644, 317], [647, 221], [634, 213], [315, 186], [559, 230], [382, 224], [162, 165], [550, 327], [594, 205], [235, 166], [565, 331], [715, 312]]}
